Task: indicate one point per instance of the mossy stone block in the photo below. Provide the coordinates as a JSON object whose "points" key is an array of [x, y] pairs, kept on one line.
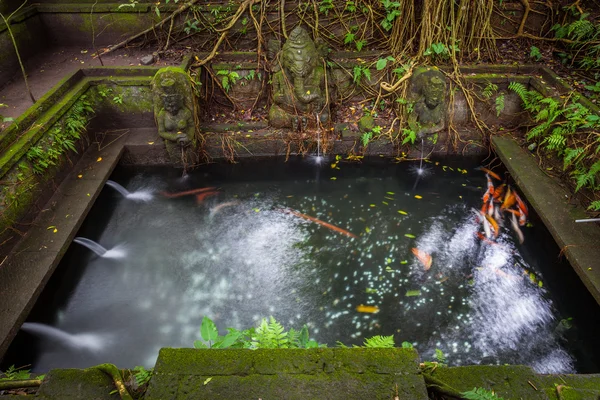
{"points": [[77, 384], [287, 373], [584, 386], [508, 381], [366, 123]]}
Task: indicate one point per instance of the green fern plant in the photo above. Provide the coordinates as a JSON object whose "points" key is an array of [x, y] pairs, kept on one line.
{"points": [[499, 102], [489, 90], [384, 342], [142, 375], [480, 394]]}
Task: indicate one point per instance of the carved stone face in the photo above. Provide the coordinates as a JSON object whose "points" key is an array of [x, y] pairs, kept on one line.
{"points": [[172, 103], [299, 55], [433, 92]]}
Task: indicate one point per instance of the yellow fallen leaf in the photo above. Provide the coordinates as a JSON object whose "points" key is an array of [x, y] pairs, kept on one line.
{"points": [[402, 212], [333, 178], [248, 135], [55, 230], [418, 197], [99, 159], [80, 176], [207, 380], [88, 195], [308, 92], [150, 142], [51, 227]]}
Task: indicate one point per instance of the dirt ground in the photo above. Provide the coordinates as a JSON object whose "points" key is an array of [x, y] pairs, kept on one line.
{"points": [[48, 68]]}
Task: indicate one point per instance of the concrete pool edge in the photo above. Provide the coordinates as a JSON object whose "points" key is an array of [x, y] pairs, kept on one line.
{"points": [[579, 242]]}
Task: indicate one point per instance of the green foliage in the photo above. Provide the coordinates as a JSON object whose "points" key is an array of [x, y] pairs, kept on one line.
{"points": [[142, 375], [365, 138], [325, 6], [118, 99], [489, 90], [499, 104], [360, 44], [583, 34], [439, 356], [270, 334], [594, 206], [191, 26], [408, 135], [480, 394], [228, 78], [392, 11], [350, 6], [566, 128], [535, 54], [382, 62], [359, 72], [15, 374], [61, 137], [385, 342], [440, 51], [2, 118], [407, 345]]}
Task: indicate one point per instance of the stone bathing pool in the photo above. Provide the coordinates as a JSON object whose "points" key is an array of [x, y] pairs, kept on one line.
{"points": [[240, 255]]}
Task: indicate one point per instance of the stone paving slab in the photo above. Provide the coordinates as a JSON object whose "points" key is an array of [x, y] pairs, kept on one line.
{"points": [[287, 374], [579, 241]]}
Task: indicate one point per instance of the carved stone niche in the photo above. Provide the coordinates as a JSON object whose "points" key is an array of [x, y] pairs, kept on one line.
{"points": [[299, 82], [427, 94], [173, 105]]}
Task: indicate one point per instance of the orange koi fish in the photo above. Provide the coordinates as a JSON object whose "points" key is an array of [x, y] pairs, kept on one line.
{"points": [[219, 207], [490, 173], [202, 196], [322, 223], [186, 193], [423, 257], [509, 199], [493, 224], [367, 309], [498, 192], [490, 185]]}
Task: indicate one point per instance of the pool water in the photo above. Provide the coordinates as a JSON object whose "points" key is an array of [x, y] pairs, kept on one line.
{"points": [[240, 255]]}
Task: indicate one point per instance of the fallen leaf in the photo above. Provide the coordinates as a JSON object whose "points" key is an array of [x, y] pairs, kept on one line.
{"points": [[423, 257], [333, 178], [207, 380], [372, 205], [150, 142], [418, 197], [402, 212], [51, 227], [99, 159], [80, 176], [408, 235], [412, 293]]}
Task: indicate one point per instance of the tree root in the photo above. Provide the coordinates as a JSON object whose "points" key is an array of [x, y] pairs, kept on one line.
{"points": [[225, 30], [153, 27], [115, 374], [8, 385]]}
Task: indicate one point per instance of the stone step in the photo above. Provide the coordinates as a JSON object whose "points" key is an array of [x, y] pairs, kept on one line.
{"points": [[265, 374]]}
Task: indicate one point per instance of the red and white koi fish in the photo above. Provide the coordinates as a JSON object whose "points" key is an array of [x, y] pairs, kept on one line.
{"points": [[221, 206], [322, 223], [423, 257]]}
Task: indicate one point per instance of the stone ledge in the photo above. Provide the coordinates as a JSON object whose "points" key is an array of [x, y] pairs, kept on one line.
{"points": [[580, 242], [287, 373]]}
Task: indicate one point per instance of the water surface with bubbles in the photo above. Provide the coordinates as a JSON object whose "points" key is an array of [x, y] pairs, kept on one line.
{"points": [[479, 303]]}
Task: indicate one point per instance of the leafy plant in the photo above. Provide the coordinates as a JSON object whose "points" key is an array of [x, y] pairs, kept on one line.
{"points": [[325, 6], [408, 135], [360, 44], [382, 62], [191, 26], [440, 51], [499, 104], [228, 78], [480, 394], [359, 72], [365, 138], [535, 53], [61, 137], [392, 11], [385, 342], [118, 99], [350, 6], [142, 375], [15, 374], [489, 90]]}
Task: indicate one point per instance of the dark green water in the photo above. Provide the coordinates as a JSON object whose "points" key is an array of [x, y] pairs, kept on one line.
{"points": [[478, 303]]}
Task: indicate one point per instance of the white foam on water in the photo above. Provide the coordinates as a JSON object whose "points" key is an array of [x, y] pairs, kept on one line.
{"points": [[116, 252], [141, 195]]}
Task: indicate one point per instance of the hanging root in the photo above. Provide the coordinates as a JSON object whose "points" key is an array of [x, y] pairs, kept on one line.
{"points": [[28, 383], [115, 374]]}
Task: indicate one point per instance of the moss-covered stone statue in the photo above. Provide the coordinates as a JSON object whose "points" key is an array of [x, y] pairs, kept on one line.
{"points": [[172, 111], [427, 93], [299, 94]]}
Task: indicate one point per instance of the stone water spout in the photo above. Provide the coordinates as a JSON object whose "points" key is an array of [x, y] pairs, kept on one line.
{"points": [[299, 83]]}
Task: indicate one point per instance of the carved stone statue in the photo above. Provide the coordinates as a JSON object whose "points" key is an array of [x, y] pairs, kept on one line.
{"points": [[172, 111], [428, 96], [299, 93]]}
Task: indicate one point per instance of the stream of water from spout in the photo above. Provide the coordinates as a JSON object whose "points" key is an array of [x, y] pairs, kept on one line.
{"points": [[80, 341], [99, 250]]}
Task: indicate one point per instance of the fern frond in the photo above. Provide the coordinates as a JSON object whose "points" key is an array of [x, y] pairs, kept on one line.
{"points": [[480, 394], [571, 155], [499, 104], [519, 89], [379, 342], [489, 90], [594, 206]]}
